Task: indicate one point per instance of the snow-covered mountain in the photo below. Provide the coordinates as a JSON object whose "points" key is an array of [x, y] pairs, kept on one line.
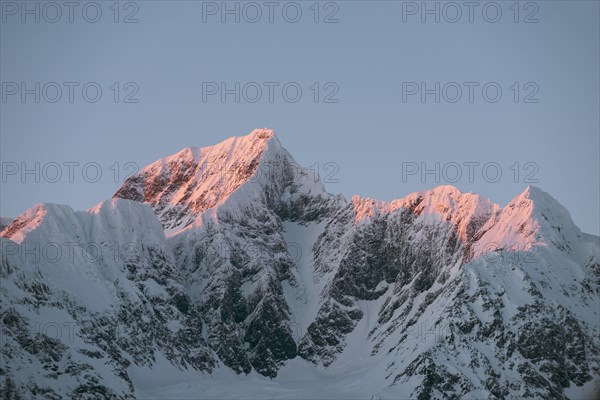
{"points": [[257, 270], [87, 294]]}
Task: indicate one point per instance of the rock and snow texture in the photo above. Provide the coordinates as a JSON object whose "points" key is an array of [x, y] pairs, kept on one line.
{"points": [[440, 294]]}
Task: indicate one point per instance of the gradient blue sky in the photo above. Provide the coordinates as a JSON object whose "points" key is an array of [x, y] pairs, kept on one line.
{"points": [[368, 134]]}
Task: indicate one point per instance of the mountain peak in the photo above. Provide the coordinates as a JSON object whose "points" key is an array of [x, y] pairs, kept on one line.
{"points": [[536, 203], [533, 193], [446, 189], [468, 211], [258, 137], [532, 218], [182, 186], [262, 133], [53, 218], [30, 220]]}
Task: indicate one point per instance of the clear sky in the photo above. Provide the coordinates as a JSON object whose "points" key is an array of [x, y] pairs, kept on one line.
{"points": [[370, 56]]}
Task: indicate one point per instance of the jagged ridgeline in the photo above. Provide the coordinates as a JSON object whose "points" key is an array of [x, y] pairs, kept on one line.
{"points": [[233, 257]]}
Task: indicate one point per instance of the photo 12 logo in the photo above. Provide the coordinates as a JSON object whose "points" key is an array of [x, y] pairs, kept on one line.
{"points": [[65, 171], [469, 171], [270, 92], [53, 12], [65, 331], [506, 254], [318, 172], [469, 92], [453, 12], [70, 252], [69, 92], [228, 251], [270, 12]]}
